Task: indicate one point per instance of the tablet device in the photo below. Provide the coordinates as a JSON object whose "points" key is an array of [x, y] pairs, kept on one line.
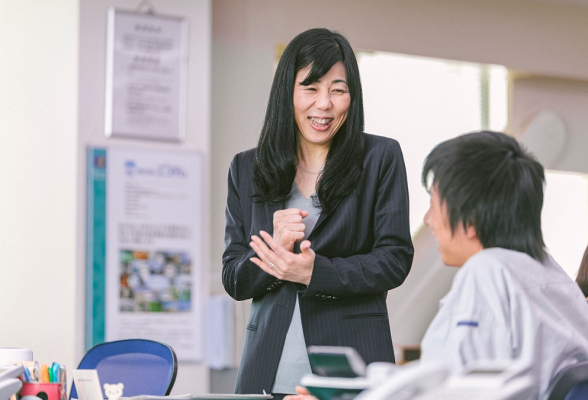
{"points": [[336, 361], [328, 388]]}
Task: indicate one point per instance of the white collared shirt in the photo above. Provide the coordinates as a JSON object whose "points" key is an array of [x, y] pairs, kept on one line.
{"points": [[503, 304]]}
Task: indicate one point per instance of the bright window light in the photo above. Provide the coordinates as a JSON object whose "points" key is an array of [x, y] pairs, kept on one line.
{"points": [[422, 101], [565, 218]]}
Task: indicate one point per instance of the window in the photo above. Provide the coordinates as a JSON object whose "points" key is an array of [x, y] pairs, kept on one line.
{"points": [[565, 218], [422, 101]]}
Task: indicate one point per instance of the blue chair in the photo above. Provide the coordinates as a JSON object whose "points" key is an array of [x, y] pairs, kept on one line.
{"points": [[571, 383], [145, 367]]}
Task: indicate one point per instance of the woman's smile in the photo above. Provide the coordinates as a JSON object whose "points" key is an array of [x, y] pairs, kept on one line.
{"points": [[320, 124]]}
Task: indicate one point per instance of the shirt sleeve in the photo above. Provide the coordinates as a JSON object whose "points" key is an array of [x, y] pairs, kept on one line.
{"points": [[241, 278]]}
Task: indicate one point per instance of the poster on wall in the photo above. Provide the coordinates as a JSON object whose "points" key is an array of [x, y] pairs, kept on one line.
{"points": [[146, 66], [145, 248]]}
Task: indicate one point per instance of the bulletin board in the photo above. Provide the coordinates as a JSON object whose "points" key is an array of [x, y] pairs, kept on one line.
{"points": [[144, 257]]}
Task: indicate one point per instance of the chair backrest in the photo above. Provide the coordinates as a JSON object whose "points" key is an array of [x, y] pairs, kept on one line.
{"points": [[578, 392], [566, 380], [145, 367]]}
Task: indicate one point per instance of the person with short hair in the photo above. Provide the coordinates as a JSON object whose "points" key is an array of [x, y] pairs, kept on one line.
{"points": [[315, 177], [510, 300]]}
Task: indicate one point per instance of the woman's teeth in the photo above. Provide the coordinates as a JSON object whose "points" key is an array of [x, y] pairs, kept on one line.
{"points": [[320, 121]]}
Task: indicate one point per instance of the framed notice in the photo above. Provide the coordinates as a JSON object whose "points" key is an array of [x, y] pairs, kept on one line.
{"points": [[146, 66], [144, 248]]}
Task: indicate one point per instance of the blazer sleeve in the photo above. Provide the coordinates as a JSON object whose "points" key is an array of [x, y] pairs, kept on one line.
{"points": [[387, 264], [241, 278]]}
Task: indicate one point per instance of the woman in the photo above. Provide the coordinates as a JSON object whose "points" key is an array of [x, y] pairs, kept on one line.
{"points": [[315, 177]]}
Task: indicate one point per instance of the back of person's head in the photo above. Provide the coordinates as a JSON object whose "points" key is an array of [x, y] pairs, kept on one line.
{"points": [[489, 182], [582, 278], [276, 159]]}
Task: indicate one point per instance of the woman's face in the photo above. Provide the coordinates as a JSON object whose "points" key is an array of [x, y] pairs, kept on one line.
{"points": [[321, 108]]}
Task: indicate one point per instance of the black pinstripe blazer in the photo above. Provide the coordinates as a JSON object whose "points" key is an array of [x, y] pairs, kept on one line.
{"points": [[363, 249]]}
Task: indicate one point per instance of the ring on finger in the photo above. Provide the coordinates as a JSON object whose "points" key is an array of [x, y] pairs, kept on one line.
{"points": [[271, 265]]}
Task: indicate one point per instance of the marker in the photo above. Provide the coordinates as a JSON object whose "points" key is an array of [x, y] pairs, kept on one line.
{"points": [[55, 372], [45, 374]]}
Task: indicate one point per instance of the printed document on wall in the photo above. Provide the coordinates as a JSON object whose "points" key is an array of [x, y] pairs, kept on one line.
{"points": [[153, 248], [146, 70]]}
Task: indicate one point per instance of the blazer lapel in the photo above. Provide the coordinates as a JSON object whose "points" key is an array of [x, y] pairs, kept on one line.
{"points": [[324, 216]]}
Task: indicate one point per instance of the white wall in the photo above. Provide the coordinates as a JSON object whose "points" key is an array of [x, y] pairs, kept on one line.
{"points": [[51, 108], [39, 243], [192, 378], [567, 98]]}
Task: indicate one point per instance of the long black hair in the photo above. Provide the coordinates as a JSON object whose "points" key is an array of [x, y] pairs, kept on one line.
{"points": [[276, 158], [489, 182]]}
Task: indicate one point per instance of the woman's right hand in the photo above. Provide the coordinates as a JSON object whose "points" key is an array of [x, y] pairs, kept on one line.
{"points": [[288, 227]]}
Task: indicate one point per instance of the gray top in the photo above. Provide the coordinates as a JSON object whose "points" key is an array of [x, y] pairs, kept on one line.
{"points": [[294, 360]]}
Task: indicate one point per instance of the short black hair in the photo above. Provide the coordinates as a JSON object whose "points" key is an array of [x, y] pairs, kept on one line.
{"points": [[488, 181], [276, 157]]}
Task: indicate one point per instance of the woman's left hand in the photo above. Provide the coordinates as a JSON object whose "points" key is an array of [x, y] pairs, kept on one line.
{"points": [[284, 265]]}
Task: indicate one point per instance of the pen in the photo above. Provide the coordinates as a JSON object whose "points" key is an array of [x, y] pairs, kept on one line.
{"points": [[45, 374], [27, 374], [36, 372], [62, 377]]}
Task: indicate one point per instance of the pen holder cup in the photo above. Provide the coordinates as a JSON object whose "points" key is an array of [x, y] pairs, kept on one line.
{"points": [[45, 391]]}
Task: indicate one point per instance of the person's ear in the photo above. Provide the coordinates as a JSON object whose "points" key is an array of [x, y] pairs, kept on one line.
{"points": [[470, 232]]}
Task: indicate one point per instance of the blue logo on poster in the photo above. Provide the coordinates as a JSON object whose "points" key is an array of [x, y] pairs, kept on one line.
{"points": [[100, 161], [129, 167]]}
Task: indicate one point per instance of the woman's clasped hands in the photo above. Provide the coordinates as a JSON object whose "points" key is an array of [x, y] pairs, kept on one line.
{"points": [[288, 227], [281, 263]]}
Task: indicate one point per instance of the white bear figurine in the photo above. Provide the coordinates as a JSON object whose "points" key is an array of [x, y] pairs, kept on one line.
{"points": [[113, 392]]}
